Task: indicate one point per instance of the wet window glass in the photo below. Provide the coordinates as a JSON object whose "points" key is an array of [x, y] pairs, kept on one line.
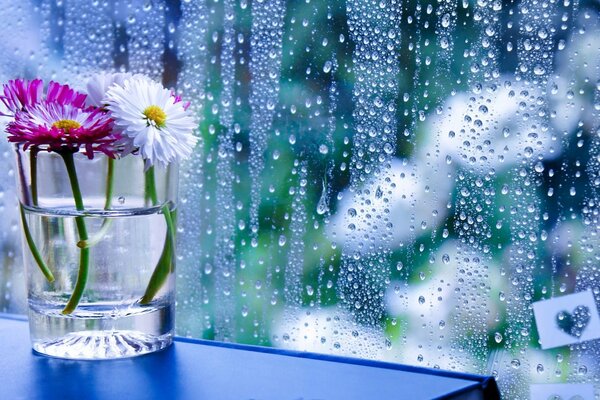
{"points": [[411, 181]]}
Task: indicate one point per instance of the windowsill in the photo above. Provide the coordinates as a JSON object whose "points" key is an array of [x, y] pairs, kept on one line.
{"points": [[200, 369]]}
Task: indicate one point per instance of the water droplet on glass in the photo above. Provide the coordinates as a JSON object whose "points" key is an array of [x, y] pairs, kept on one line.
{"points": [[498, 337]]}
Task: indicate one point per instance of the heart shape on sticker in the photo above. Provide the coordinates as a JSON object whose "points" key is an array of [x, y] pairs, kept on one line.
{"points": [[574, 323]]}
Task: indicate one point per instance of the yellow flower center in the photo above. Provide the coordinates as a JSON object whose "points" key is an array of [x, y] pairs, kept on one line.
{"points": [[66, 124], [156, 115]]}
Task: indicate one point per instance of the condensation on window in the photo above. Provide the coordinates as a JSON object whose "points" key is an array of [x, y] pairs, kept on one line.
{"points": [[384, 179]]}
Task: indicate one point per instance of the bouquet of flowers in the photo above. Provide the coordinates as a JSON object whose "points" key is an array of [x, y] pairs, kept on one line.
{"points": [[121, 115]]}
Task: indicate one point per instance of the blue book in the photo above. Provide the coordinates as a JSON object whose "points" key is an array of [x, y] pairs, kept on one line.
{"points": [[199, 369]]}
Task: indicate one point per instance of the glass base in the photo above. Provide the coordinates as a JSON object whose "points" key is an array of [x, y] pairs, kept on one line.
{"points": [[97, 331], [98, 345]]}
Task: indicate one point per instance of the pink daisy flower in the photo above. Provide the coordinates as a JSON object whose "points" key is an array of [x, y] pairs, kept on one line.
{"points": [[54, 126], [63, 94], [20, 94]]}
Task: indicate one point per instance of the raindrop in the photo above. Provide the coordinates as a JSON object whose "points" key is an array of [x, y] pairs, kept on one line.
{"points": [[282, 240], [539, 368]]}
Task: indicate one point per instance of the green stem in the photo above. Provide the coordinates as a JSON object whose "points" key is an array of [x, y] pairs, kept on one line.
{"points": [[164, 264], [107, 222], [173, 225], [97, 237], [150, 187], [33, 169], [34, 199], [110, 183], [84, 256], [33, 248]]}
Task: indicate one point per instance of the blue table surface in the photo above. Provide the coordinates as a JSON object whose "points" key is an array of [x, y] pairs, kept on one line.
{"points": [[199, 369]]}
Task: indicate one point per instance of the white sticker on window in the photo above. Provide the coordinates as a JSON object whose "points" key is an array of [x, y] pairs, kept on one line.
{"points": [[567, 319]]}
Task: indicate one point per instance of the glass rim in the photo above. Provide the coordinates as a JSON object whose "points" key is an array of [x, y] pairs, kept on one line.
{"points": [[43, 149]]}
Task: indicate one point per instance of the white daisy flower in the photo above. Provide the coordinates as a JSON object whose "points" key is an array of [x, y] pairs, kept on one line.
{"points": [[98, 85], [153, 120]]}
